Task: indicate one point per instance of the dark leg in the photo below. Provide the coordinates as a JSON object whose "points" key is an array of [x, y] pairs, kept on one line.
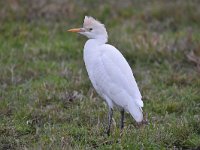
{"points": [[109, 120], [122, 119]]}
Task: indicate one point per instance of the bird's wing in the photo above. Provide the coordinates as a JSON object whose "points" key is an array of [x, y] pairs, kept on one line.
{"points": [[118, 72]]}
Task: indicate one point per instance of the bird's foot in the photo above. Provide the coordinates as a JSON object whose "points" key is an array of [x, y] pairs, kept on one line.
{"points": [[121, 132], [108, 132]]}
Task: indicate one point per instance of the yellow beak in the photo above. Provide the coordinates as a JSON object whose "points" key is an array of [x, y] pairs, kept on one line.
{"points": [[75, 30]]}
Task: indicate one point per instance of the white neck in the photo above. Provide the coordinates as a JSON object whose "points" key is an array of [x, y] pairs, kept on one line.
{"points": [[92, 43], [101, 39]]}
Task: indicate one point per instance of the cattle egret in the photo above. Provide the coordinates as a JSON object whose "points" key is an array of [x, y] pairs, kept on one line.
{"points": [[109, 72]]}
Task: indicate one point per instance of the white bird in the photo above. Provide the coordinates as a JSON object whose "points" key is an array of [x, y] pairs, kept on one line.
{"points": [[109, 72]]}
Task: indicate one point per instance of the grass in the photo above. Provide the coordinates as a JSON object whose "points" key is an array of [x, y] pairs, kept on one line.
{"points": [[46, 98]]}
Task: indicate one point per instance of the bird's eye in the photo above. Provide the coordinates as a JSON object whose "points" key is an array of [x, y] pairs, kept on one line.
{"points": [[90, 29]]}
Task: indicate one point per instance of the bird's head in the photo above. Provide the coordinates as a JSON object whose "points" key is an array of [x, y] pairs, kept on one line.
{"points": [[92, 29]]}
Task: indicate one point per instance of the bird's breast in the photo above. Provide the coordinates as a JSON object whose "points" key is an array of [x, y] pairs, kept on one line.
{"points": [[95, 69]]}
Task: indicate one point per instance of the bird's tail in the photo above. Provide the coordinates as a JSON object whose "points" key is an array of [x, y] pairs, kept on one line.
{"points": [[136, 112]]}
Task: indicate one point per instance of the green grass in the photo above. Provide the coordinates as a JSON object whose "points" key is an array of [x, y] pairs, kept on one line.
{"points": [[47, 100]]}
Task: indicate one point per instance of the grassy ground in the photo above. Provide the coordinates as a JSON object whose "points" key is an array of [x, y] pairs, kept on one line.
{"points": [[46, 98]]}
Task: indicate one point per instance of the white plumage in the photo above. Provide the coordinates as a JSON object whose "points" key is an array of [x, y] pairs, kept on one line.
{"points": [[109, 71]]}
